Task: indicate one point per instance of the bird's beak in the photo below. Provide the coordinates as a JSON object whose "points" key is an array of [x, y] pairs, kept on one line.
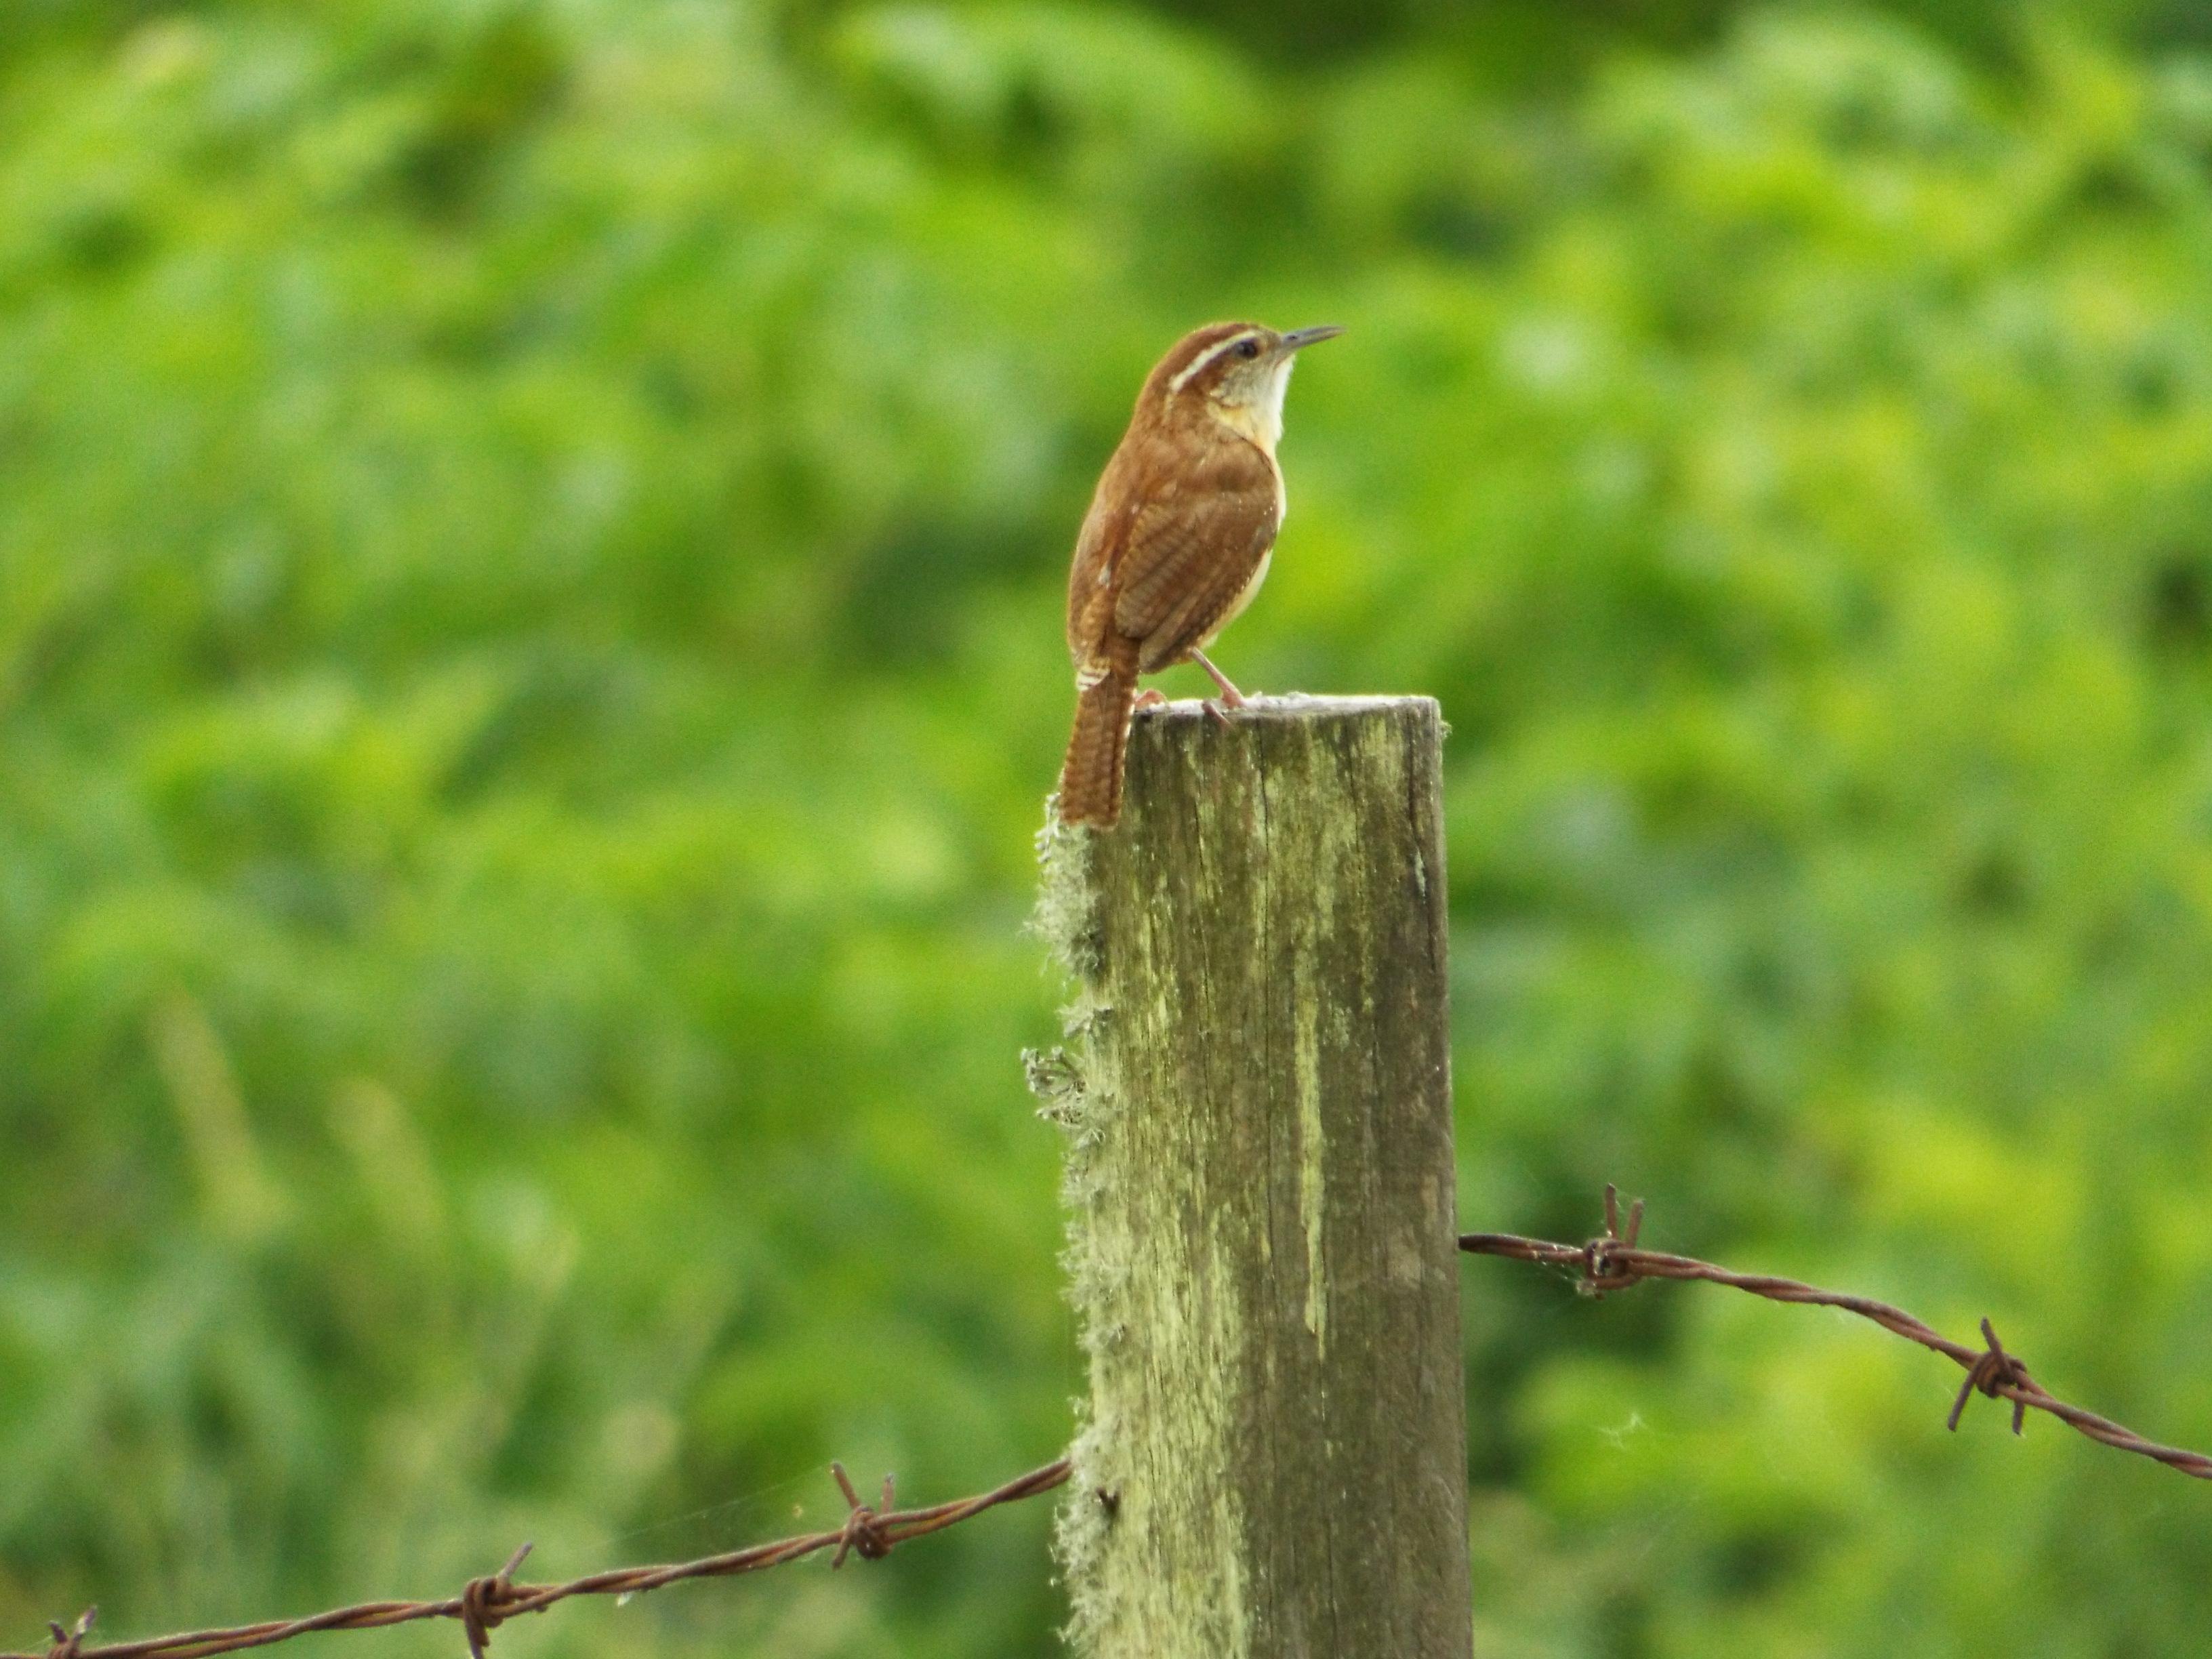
{"points": [[1306, 337]]}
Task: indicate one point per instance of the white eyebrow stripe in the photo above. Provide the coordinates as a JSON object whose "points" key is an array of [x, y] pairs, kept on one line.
{"points": [[1207, 355]]}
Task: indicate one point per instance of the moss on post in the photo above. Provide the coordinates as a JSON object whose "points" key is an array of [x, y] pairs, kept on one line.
{"points": [[1257, 1100]]}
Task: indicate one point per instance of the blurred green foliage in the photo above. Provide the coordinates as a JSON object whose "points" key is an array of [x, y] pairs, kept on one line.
{"points": [[530, 541]]}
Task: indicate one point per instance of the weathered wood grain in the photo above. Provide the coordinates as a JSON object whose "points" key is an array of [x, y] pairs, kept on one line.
{"points": [[1257, 1098]]}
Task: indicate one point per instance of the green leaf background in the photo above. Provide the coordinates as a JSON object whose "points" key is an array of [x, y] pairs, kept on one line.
{"points": [[531, 534]]}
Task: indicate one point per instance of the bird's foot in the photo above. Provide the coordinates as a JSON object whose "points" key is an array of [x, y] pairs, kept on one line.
{"points": [[1148, 698], [1219, 709], [1231, 696]]}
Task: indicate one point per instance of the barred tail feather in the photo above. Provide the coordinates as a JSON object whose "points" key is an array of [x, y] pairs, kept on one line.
{"points": [[1091, 776]]}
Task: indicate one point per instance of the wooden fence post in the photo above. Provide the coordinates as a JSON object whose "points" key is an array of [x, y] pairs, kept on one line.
{"points": [[1258, 1104]]}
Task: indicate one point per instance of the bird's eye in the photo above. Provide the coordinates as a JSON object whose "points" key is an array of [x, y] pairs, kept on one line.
{"points": [[1248, 348]]}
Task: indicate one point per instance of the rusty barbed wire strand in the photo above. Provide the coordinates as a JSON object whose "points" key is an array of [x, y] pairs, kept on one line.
{"points": [[869, 1531], [1613, 1261]]}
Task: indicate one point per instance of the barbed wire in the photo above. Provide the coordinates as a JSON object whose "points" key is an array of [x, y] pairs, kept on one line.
{"points": [[869, 1531], [1613, 1261]]}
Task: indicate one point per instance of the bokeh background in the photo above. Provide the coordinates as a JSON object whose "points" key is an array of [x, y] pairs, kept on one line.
{"points": [[531, 542]]}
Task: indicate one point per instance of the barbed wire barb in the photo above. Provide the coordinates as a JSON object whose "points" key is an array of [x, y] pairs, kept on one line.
{"points": [[484, 1602], [1993, 1369], [1614, 1261], [69, 1642], [861, 1532]]}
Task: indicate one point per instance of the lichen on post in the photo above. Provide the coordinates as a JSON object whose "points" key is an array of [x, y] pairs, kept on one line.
{"points": [[1257, 1097]]}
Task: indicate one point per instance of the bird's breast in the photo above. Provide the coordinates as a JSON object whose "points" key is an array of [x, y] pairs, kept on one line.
{"points": [[1244, 595]]}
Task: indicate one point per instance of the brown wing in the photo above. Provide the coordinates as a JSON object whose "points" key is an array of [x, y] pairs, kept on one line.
{"points": [[1132, 475], [1191, 551]]}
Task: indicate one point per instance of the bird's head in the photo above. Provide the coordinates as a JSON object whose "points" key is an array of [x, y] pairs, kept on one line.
{"points": [[1237, 372]]}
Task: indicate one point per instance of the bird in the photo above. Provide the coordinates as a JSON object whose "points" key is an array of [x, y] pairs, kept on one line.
{"points": [[1177, 541]]}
